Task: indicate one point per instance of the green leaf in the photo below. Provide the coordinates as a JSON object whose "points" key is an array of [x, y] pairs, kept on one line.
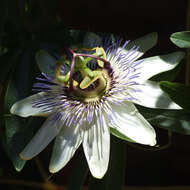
{"points": [[46, 62], [115, 176], [18, 130], [17, 135], [175, 120], [117, 134], [181, 39], [79, 173], [179, 93]]}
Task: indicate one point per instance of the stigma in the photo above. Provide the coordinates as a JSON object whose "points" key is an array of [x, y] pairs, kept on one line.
{"points": [[88, 78]]}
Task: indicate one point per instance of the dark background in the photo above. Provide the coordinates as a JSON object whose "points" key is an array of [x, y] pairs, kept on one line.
{"points": [[130, 19]]}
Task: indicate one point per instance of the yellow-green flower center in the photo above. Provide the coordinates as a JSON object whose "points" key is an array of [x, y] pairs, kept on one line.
{"points": [[94, 89], [93, 83]]}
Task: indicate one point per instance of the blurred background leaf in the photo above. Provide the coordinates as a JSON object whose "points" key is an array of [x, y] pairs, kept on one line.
{"points": [[181, 39], [18, 130], [175, 120], [179, 93]]}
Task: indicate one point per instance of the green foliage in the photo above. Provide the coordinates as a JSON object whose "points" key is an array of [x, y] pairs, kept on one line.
{"points": [[179, 93], [181, 39], [17, 129], [25, 28], [174, 120]]}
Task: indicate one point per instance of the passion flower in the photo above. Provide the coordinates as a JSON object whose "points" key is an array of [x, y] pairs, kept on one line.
{"points": [[89, 92]]}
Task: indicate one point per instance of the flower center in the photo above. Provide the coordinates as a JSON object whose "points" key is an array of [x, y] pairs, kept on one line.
{"points": [[88, 78], [94, 89]]}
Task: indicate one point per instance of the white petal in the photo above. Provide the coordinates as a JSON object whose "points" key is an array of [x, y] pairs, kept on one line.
{"points": [[46, 62], [158, 64], [43, 137], [66, 144], [144, 43], [153, 97], [25, 108], [127, 120], [96, 145]]}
